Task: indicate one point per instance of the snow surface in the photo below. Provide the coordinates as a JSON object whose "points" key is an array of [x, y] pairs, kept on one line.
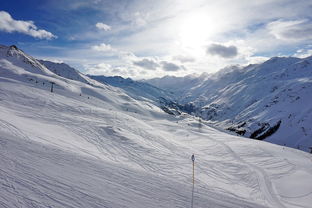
{"points": [[94, 146], [135, 89], [246, 98], [66, 71]]}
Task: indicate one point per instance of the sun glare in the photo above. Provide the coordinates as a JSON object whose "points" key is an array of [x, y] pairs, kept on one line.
{"points": [[194, 29]]}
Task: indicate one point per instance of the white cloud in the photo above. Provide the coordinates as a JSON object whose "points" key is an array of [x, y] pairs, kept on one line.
{"points": [[155, 63], [103, 48], [256, 59], [98, 69], [140, 19], [103, 26], [127, 57], [303, 53], [295, 30], [184, 59], [8, 24], [109, 70], [58, 61]]}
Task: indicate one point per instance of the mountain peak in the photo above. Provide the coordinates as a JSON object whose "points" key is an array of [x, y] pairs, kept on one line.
{"points": [[14, 51], [281, 59], [13, 47]]}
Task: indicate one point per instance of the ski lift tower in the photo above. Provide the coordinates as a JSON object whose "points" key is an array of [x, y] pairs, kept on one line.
{"points": [[52, 83]]}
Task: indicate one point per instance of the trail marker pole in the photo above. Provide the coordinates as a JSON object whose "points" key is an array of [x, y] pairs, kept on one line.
{"points": [[193, 161]]}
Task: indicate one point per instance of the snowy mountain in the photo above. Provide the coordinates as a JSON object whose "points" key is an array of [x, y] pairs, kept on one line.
{"points": [[91, 145], [178, 85], [270, 101], [136, 89], [63, 70], [20, 59]]}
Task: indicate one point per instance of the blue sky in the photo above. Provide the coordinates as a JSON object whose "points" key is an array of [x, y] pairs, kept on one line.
{"points": [[144, 38]]}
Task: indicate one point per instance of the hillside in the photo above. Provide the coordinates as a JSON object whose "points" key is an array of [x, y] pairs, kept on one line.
{"points": [[178, 85], [136, 89], [268, 101], [63, 70], [92, 145]]}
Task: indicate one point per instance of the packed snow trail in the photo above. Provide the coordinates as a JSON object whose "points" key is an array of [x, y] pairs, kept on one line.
{"points": [[264, 182], [37, 175]]}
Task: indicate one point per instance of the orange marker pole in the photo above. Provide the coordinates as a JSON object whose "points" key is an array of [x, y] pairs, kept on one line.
{"points": [[193, 172], [193, 160]]}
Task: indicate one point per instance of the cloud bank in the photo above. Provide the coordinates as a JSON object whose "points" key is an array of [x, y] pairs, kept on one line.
{"points": [[8, 24], [158, 38]]}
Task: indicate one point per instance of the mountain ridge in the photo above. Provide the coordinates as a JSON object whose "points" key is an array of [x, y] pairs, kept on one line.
{"points": [[254, 96]]}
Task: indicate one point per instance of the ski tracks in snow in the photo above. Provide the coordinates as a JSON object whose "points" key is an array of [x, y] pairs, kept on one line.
{"points": [[264, 181], [6, 127]]}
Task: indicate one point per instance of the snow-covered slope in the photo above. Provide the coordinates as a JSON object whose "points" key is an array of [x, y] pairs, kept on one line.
{"points": [[63, 70], [61, 149], [178, 85], [272, 98], [29, 64], [135, 89]]}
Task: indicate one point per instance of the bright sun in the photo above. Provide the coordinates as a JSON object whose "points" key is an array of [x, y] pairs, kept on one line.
{"points": [[195, 29]]}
